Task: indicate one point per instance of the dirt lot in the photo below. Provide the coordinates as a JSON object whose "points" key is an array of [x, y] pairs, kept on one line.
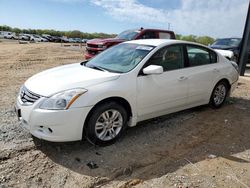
{"points": [[200, 147]]}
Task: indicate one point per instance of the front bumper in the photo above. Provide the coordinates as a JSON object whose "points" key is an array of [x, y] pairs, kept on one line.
{"points": [[53, 125], [88, 56]]}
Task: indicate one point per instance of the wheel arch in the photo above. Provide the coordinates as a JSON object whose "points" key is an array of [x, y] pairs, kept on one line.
{"points": [[225, 80], [119, 100]]}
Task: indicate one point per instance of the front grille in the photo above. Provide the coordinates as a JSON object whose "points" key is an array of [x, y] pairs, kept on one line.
{"points": [[92, 52], [92, 45], [27, 96]]}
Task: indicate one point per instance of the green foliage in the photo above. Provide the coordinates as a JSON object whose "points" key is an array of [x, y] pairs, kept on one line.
{"points": [[70, 34], [178, 36], [205, 40], [190, 38]]}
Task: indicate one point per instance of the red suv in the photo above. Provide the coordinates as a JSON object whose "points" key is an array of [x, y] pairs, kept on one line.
{"points": [[96, 46]]}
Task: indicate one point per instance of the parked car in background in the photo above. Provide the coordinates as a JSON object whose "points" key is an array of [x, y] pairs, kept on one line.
{"points": [[23, 36], [37, 38], [64, 39], [55, 39], [10, 35], [96, 46], [71, 40], [229, 47], [2, 34], [126, 84], [84, 40], [77, 40], [48, 37]]}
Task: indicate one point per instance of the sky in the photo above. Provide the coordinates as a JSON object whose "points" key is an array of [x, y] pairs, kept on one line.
{"points": [[215, 18]]}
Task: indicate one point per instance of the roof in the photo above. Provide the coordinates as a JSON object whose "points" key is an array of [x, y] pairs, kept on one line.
{"points": [[153, 42], [159, 42]]}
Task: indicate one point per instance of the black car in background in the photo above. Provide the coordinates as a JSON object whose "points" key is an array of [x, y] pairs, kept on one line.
{"points": [[232, 44]]}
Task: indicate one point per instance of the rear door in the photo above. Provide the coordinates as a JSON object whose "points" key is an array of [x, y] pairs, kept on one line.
{"points": [[203, 72]]}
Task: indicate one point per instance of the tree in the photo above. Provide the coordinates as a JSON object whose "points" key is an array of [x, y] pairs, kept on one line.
{"points": [[178, 36], [206, 40], [190, 38], [16, 30]]}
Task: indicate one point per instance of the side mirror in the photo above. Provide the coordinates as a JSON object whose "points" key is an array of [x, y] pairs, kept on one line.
{"points": [[153, 69]]}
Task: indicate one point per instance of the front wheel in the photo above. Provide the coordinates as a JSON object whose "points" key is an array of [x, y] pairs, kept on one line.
{"points": [[106, 124], [219, 94]]}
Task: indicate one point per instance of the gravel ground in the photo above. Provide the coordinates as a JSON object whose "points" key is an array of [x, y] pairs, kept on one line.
{"points": [[200, 147]]}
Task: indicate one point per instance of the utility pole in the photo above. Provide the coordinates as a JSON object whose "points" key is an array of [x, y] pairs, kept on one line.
{"points": [[245, 46], [168, 26]]}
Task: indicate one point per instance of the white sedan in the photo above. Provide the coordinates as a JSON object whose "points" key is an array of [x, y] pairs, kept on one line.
{"points": [[128, 83]]}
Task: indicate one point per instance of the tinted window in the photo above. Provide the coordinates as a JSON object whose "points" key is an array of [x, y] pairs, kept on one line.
{"points": [[169, 58], [213, 57], [149, 35], [197, 56]]}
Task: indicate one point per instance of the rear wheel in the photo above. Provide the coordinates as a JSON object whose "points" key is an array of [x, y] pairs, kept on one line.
{"points": [[106, 123], [219, 94]]}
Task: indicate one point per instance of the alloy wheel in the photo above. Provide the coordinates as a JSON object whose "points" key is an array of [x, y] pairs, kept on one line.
{"points": [[108, 125]]}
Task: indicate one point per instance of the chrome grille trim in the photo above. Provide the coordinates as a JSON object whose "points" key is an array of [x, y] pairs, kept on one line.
{"points": [[27, 96]]}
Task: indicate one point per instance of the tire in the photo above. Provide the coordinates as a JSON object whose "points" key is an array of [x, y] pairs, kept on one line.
{"points": [[101, 129], [219, 94]]}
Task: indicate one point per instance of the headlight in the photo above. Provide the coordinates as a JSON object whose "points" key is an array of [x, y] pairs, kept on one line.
{"points": [[62, 100], [102, 46]]}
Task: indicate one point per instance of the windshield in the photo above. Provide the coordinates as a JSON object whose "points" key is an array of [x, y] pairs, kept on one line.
{"points": [[120, 58], [127, 35], [234, 42]]}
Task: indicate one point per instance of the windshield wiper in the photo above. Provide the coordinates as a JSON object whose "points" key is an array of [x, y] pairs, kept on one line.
{"points": [[101, 68], [96, 67]]}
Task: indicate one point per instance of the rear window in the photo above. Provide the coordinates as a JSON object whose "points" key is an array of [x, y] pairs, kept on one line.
{"points": [[148, 35], [163, 35], [200, 56]]}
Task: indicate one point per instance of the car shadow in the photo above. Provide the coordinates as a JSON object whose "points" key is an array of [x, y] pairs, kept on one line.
{"points": [[161, 145]]}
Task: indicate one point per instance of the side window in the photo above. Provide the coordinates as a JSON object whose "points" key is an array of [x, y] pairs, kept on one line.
{"points": [[197, 56], [213, 57], [170, 58], [163, 35], [149, 35]]}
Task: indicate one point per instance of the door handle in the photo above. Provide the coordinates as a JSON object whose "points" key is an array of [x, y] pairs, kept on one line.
{"points": [[182, 78]]}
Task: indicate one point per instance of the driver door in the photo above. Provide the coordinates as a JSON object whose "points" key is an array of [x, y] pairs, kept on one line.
{"points": [[158, 94]]}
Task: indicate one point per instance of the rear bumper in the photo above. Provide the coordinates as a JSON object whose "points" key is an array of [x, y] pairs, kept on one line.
{"points": [[53, 125], [233, 87]]}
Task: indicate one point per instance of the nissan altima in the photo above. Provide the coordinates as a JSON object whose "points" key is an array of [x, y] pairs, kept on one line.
{"points": [[125, 84]]}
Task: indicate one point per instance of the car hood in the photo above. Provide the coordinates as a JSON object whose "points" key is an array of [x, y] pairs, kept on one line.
{"points": [[67, 77], [223, 47], [103, 41]]}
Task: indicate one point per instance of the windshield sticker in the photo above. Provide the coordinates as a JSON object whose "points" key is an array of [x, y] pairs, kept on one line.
{"points": [[147, 48]]}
